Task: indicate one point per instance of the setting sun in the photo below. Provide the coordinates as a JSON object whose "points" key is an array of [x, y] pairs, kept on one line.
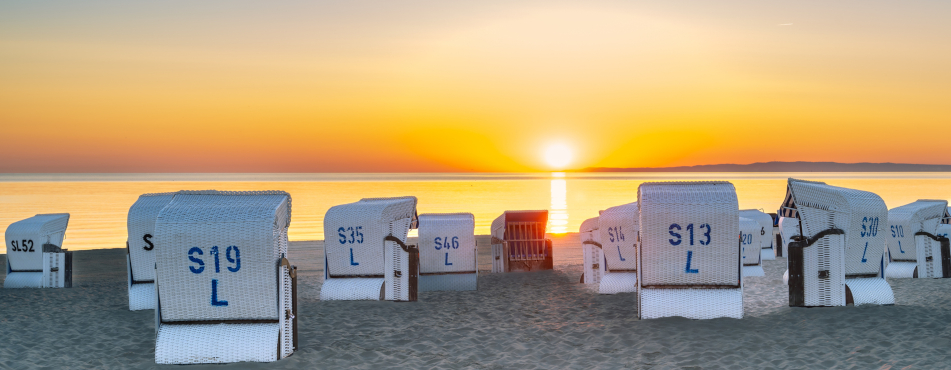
{"points": [[558, 156]]}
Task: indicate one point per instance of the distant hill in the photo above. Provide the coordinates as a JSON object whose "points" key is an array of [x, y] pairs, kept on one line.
{"points": [[787, 167]]}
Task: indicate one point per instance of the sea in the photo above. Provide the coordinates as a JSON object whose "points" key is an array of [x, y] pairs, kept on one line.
{"points": [[98, 204]]}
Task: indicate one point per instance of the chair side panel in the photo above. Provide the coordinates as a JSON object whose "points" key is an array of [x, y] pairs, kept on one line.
{"points": [[618, 236], [141, 229]]}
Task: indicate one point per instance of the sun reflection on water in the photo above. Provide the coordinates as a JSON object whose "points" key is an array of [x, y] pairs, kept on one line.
{"points": [[558, 212]]}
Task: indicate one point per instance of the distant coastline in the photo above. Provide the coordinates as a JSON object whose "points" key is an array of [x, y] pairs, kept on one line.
{"points": [[786, 167]]}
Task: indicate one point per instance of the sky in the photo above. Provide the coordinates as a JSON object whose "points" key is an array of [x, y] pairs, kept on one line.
{"points": [[456, 86]]}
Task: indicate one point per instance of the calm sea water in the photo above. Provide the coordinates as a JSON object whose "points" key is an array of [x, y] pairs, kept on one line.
{"points": [[99, 203]]}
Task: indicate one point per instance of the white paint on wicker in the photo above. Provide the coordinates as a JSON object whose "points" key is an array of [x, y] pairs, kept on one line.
{"points": [[354, 248], [765, 231], [141, 259], [618, 231], [246, 226], [27, 265], [903, 246], [216, 343], [709, 285], [447, 248], [870, 291], [591, 254]]}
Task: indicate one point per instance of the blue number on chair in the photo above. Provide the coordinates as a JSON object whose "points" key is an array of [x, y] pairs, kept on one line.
{"points": [[447, 260], [863, 253], [673, 234], [201, 264], [899, 247], [619, 254], [351, 259], [214, 294], [236, 260], [688, 269]]}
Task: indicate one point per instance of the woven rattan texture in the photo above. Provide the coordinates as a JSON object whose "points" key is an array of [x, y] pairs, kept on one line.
{"points": [[141, 227], [788, 228], [216, 343], [618, 229], [765, 222], [37, 230], [351, 289], [239, 237], [431, 283], [691, 303], [591, 254], [905, 221], [750, 242], [689, 234], [396, 263], [24, 280], [870, 291], [901, 270], [142, 297], [618, 282], [54, 270], [447, 243]]}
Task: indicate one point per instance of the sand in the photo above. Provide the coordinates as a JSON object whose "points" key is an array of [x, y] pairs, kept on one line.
{"points": [[517, 320]]}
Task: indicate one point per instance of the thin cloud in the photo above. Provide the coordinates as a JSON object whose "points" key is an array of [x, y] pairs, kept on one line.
{"points": [[785, 24]]}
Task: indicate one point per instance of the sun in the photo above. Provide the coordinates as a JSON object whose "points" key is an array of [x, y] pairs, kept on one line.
{"points": [[558, 156]]}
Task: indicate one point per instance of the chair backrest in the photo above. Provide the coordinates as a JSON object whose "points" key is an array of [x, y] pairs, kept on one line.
{"points": [[25, 240], [788, 227], [905, 221], [765, 222], [750, 241], [141, 226], [619, 237], [861, 214], [588, 232], [218, 253], [447, 243], [524, 232], [688, 234], [354, 233]]}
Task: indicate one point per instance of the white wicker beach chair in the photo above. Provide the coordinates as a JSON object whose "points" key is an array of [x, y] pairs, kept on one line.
{"points": [[365, 255], [750, 247], [35, 258], [591, 253], [619, 235], [518, 242], [140, 249], [225, 289], [689, 261], [765, 221], [448, 258], [914, 248], [788, 229], [839, 258]]}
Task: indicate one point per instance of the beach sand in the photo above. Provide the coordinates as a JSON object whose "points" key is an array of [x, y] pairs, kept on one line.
{"points": [[517, 320]]}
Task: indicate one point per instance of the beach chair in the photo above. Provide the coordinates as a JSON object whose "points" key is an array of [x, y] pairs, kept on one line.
{"points": [[518, 242], [619, 243], [839, 258], [788, 230], [689, 260], [774, 236], [140, 249], [765, 221], [591, 254], [35, 258], [448, 258], [914, 248], [225, 289], [365, 251], [750, 247]]}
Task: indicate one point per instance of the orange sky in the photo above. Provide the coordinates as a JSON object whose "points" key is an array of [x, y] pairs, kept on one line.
{"points": [[372, 86]]}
